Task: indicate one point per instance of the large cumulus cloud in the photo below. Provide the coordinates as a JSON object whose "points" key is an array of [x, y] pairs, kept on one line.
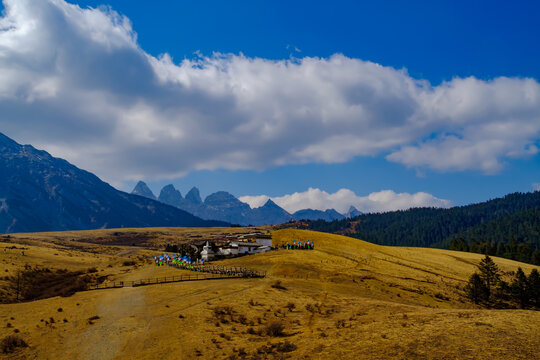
{"points": [[75, 82], [343, 199]]}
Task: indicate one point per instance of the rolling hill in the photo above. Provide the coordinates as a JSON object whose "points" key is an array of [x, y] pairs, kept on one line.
{"points": [[347, 299], [492, 222]]}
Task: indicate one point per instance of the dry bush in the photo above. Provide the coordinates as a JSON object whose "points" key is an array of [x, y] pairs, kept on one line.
{"points": [[290, 306], [223, 314], [10, 343], [225, 336], [128, 263], [341, 323], [242, 319], [441, 296], [91, 319], [285, 346], [252, 331], [321, 309], [36, 283], [277, 285], [274, 328]]}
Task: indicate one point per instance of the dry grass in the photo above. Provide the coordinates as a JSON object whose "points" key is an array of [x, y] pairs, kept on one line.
{"points": [[351, 300]]}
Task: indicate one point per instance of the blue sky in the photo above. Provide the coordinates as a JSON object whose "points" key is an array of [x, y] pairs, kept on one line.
{"points": [[441, 42]]}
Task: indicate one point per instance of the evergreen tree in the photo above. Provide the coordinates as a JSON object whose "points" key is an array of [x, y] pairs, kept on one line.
{"points": [[476, 289], [489, 273], [520, 289], [534, 287]]}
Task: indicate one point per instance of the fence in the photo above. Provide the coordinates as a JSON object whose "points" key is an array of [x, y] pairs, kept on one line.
{"points": [[206, 273]]}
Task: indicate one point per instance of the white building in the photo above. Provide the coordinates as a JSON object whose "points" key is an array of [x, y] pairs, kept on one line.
{"points": [[207, 253], [259, 238]]}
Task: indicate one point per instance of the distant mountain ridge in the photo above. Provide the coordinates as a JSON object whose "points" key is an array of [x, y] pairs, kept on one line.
{"points": [[39, 192], [310, 214], [224, 206]]}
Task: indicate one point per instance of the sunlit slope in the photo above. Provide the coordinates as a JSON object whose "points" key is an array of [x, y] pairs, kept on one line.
{"points": [[421, 276], [347, 299]]}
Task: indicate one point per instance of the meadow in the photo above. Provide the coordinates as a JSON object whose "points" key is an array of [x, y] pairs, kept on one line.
{"points": [[346, 299]]}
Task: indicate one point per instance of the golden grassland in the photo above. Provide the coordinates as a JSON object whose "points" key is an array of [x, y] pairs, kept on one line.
{"points": [[347, 299]]}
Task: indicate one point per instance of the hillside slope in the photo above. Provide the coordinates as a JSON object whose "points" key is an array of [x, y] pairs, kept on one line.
{"points": [[39, 192], [495, 221]]}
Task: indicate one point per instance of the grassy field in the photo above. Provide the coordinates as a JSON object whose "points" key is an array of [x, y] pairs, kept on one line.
{"points": [[347, 299]]}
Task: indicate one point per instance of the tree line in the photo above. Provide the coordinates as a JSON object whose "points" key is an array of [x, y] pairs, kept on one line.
{"points": [[487, 287], [507, 227]]}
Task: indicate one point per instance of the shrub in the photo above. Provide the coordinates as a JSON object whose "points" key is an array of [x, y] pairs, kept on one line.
{"points": [[225, 336], [290, 306], [91, 319], [285, 346], [242, 319], [34, 283], [12, 342], [274, 328], [277, 285]]}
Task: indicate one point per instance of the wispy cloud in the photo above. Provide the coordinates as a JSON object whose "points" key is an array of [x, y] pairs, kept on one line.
{"points": [[76, 82], [342, 200]]}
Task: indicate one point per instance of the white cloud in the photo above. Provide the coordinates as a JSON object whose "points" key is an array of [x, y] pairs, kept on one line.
{"points": [[536, 186], [75, 81], [342, 200]]}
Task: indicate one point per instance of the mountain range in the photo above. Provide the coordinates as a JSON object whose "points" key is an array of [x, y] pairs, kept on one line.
{"points": [[224, 206], [39, 192]]}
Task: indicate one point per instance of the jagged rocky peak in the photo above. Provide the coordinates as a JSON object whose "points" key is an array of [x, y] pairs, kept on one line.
{"points": [[142, 189], [270, 204], [169, 195], [353, 212], [220, 198], [194, 196]]}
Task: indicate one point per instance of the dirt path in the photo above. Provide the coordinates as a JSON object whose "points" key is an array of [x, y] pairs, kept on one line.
{"points": [[121, 319]]}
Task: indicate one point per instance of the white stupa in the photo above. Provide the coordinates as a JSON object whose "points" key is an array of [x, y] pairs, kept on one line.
{"points": [[207, 253]]}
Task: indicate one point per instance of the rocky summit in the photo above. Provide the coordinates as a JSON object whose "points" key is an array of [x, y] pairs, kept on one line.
{"points": [[142, 189]]}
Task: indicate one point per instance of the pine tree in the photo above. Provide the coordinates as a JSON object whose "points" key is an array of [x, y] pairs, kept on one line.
{"points": [[489, 273], [520, 289], [476, 289], [534, 287]]}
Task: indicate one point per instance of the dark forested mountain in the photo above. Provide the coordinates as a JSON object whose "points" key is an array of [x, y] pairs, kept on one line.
{"points": [[515, 236], [142, 189], [515, 216], [310, 214], [39, 192]]}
